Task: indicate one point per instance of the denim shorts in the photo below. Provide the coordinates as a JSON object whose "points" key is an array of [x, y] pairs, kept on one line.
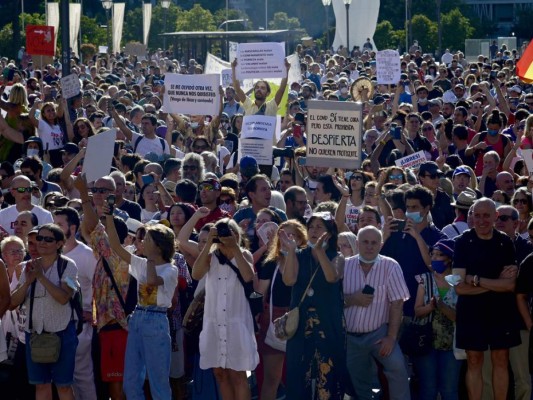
{"points": [[62, 371]]}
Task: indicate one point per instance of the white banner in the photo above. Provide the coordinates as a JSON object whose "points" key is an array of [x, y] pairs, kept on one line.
{"points": [[260, 60], [192, 94], [99, 155], [412, 160], [215, 65], [260, 149], [74, 21], [334, 134], [362, 18], [388, 67], [52, 19], [147, 18], [118, 22], [258, 127]]}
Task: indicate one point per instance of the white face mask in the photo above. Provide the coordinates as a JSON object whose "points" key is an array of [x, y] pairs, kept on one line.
{"points": [[32, 152], [344, 90], [35, 201], [194, 125], [364, 260], [312, 246]]}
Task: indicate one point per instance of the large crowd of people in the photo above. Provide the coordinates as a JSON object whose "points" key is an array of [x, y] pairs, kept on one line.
{"points": [[192, 260]]}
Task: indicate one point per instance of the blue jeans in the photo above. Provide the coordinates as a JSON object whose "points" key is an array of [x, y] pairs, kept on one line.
{"points": [[438, 372], [148, 351], [362, 351]]}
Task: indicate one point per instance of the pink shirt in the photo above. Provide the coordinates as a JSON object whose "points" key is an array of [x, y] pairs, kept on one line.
{"points": [[386, 277]]}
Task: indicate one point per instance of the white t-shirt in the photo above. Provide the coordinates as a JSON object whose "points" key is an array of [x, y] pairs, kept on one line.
{"points": [[146, 145], [9, 215], [85, 260], [50, 135], [161, 295]]}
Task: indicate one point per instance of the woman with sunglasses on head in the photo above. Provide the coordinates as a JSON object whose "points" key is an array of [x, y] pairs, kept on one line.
{"points": [[523, 203], [317, 350], [356, 198], [46, 296]]}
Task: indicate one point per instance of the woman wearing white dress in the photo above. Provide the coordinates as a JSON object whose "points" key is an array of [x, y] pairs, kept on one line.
{"points": [[227, 341]]}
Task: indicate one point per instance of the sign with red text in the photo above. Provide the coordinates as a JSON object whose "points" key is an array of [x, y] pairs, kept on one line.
{"points": [[40, 40], [412, 160]]}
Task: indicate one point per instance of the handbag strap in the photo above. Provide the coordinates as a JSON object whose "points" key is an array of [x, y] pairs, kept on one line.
{"points": [[107, 269], [272, 290], [308, 286], [224, 260]]}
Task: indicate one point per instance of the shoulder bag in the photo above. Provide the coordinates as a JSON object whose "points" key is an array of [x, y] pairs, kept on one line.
{"points": [[271, 339]]}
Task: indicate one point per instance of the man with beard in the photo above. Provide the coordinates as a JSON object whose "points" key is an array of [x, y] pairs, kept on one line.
{"points": [[210, 190], [231, 106], [32, 167], [295, 203], [69, 221], [193, 168], [260, 105]]}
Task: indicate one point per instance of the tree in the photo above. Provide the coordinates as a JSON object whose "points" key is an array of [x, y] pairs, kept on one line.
{"points": [[455, 29], [384, 36], [425, 31], [91, 32], [195, 19], [220, 17], [282, 21]]}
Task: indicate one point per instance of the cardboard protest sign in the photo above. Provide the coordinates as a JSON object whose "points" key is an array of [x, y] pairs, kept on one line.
{"points": [[40, 40], [99, 155], [70, 86], [388, 69], [256, 138], [334, 134], [136, 49], [102, 49], [412, 160], [260, 60], [192, 94]]}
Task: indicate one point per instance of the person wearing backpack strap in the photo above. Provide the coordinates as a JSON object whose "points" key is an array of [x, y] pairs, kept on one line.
{"points": [[69, 221], [46, 295], [145, 142]]}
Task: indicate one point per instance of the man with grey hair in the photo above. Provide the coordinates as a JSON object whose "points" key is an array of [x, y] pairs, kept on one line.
{"points": [[133, 209], [193, 168], [374, 293], [487, 315]]}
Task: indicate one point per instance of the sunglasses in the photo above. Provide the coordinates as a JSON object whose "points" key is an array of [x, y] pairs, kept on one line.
{"points": [[206, 187], [521, 201], [431, 176], [504, 218], [23, 189], [357, 177], [47, 239], [427, 129], [189, 167], [100, 190], [227, 201], [399, 176]]}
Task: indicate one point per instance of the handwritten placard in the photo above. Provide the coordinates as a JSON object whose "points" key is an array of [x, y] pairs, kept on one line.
{"points": [[388, 68], [334, 134], [192, 94], [260, 60], [70, 86]]}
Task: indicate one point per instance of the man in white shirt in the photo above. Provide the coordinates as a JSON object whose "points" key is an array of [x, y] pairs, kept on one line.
{"points": [[21, 189], [374, 292], [69, 221]]}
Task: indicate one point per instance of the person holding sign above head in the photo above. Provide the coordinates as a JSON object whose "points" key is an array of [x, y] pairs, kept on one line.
{"points": [[260, 105]]}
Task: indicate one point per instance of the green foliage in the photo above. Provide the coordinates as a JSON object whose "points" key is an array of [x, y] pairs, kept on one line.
{"points": [[425, 31], [282, 21], [455, 29], [91, 32], [87, 50], [7, 45], [384, 36], [220, 17], [195, 19]]}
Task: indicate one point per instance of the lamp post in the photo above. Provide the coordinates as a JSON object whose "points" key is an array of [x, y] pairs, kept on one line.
{"points": [[347, 4], [165, 4], [326, 4], [107, 4]]}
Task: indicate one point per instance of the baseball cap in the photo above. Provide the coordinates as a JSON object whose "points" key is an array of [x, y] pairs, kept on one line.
{"points": [[133, 225], [248, 166], [213, 182], [70, 148], [516, 89], [445, 246], [429, 167], [461, 170]]}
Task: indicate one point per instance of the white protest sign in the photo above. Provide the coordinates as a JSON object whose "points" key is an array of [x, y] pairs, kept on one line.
{"points": [[412, 160], [99, 155], [102, 49], [226, 77], [528, 158], [192, 94], [388, 69], [70, 86], [258, 127], [260, 149], [233, 46], [260, 60], [215, 65], [334, 134]]}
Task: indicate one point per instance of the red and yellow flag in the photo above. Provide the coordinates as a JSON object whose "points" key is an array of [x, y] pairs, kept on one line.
{"points": [[524, 66]]}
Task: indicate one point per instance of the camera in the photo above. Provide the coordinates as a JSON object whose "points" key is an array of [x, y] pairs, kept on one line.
{"points": [[111, 202], [223, 230], [286, 152]]}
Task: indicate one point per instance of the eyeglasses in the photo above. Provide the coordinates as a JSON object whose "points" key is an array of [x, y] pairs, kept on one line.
{"points": [[227, 201], [100, 190], [392, 176], [189, 167], [23, 189], [207, 187], [431, 176], [505, 218], [521, 201], [47, 239], [357, 177], [427, 128]]}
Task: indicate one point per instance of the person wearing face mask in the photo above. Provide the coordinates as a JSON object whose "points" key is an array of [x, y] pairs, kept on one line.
{"points": [[492, 139], [374, 293], [410, 245], [438, 371]]}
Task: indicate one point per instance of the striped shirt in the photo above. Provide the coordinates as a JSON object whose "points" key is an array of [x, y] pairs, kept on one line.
{"points": [[386, 278]]}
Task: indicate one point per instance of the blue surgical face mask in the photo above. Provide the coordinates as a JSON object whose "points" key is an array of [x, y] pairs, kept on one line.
{"points": [[366, 261], [492, 132], [439, 266], [32, 152], [415, 216], [312, 246]]}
